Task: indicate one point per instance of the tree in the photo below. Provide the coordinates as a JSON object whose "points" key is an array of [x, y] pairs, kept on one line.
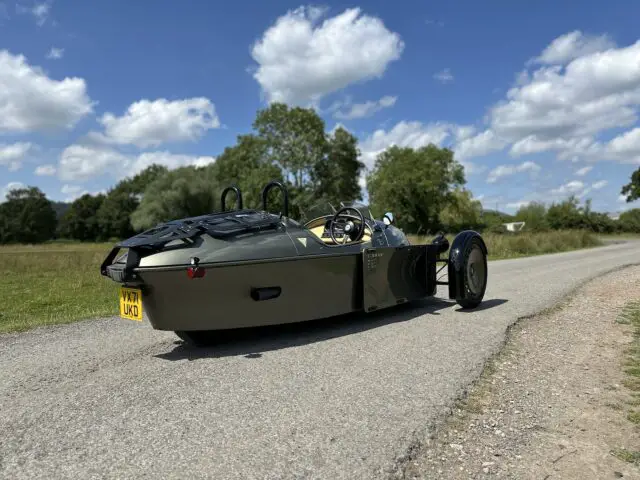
{"points": [[80, 221], [462, 212], [114, 215], [27, 216], [534, 215], [566, 215], [632, 189], [296, 140], [183, 192], [416, 184], [336, 176], [247, 165], [630, 220]]}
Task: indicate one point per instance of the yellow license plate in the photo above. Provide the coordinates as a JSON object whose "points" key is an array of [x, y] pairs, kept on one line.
{"points": [[131, 303]]}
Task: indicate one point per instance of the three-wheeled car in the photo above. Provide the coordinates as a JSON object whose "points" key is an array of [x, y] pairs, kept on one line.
{"points": [[251, 267]]}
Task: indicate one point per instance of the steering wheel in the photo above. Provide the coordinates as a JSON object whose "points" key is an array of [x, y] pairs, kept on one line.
{"points": [[352, 231]]}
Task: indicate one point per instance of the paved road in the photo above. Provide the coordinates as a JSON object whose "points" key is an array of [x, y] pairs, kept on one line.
{"points": [[346, 399]]}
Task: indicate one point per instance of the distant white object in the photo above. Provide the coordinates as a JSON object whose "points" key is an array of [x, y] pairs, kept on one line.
{"points": [[514, 226]]}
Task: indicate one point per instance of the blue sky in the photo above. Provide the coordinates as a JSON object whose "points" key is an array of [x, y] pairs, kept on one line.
{"points": [[538, 100]]}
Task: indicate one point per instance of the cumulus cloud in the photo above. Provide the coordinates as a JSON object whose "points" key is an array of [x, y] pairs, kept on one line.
{"points": [[152, 123], [564, 107], [462, 139], [300, 60], [31, 101], [82, 162], [444, 76], [502, 171], [583, 171], [11, 155], [362, 110], [403, 134], [39, 11], [55, 53], [573, 45], [45, 170]]}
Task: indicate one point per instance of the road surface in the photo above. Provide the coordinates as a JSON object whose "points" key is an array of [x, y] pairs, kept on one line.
{"points": [[342, 399]]}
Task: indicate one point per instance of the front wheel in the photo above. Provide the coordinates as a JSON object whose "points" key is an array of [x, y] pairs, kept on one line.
{"points": [[471, 274]]}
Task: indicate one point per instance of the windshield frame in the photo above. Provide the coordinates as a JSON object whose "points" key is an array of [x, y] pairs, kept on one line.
{"points": [[324, 208]]}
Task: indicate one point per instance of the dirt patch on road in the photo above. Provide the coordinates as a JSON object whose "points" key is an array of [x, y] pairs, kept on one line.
{"points": [[555, 403]]}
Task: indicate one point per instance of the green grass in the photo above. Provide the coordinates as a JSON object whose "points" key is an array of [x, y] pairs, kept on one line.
{"points": [[631, 363], [52, 284], [524, 244], [626, 455], [59, 282]]}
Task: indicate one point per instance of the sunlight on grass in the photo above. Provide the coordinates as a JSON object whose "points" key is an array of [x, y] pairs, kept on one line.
{"points": [[53, 283]]}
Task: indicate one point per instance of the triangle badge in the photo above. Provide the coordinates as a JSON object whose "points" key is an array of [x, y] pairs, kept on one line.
{"points": [[303, 241]]}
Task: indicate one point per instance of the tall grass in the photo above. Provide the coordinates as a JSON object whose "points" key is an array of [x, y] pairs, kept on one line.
{"points": [[520, 244], [52, 284]]}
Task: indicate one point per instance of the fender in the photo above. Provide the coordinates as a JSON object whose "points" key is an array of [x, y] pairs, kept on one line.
{"points": [[455, 259]]}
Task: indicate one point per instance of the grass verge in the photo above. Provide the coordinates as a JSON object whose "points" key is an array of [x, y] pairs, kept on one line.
{"points": [[524, 244], [59, 282], [52, 284], [631, 365]]}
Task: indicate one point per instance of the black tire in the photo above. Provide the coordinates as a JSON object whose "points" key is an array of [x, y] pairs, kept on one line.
{"points": [[474, 274], [196, 338]]}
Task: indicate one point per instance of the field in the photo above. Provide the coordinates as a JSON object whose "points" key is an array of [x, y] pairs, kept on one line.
{"points": [[60, 282]]}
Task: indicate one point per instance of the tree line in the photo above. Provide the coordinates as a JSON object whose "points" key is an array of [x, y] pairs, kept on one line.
{"points": [[423, 187]]}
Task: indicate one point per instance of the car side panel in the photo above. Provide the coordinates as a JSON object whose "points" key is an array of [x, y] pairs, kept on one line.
{"points": [[394, 275]]}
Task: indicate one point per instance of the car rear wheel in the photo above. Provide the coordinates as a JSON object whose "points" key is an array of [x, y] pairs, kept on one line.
{"points": [[196, 338]]}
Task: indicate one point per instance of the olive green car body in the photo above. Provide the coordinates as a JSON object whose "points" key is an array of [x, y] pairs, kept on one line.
{"points": [[250, 268]]}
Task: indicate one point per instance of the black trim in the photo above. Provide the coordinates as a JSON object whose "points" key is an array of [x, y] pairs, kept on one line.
{"points": [[265, 293], [285, 194], [238, 193]]}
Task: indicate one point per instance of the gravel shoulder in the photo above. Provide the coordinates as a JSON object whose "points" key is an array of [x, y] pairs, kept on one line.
{"points": [[552, 404]]}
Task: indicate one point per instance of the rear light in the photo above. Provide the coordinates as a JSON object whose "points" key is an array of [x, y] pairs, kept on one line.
{"points": [[194, 271]]}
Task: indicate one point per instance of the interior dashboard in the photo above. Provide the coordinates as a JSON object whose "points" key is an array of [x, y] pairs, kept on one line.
{"points": [[320, 228]]}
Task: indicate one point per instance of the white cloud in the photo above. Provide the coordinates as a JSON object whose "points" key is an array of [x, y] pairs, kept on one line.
{"points": [[30, 100], [582, 86], [462, 140], [563, 108], [363, 110], [599, 184], [39, 11], [11, 155], [300, 61], [583, 171], [82, 162], [444, 76], [574, 186], [55, 53], [403, 134], [45, 170], [151, 123], [8, 187], [477, 145], [573, 45], [508, 170]]}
